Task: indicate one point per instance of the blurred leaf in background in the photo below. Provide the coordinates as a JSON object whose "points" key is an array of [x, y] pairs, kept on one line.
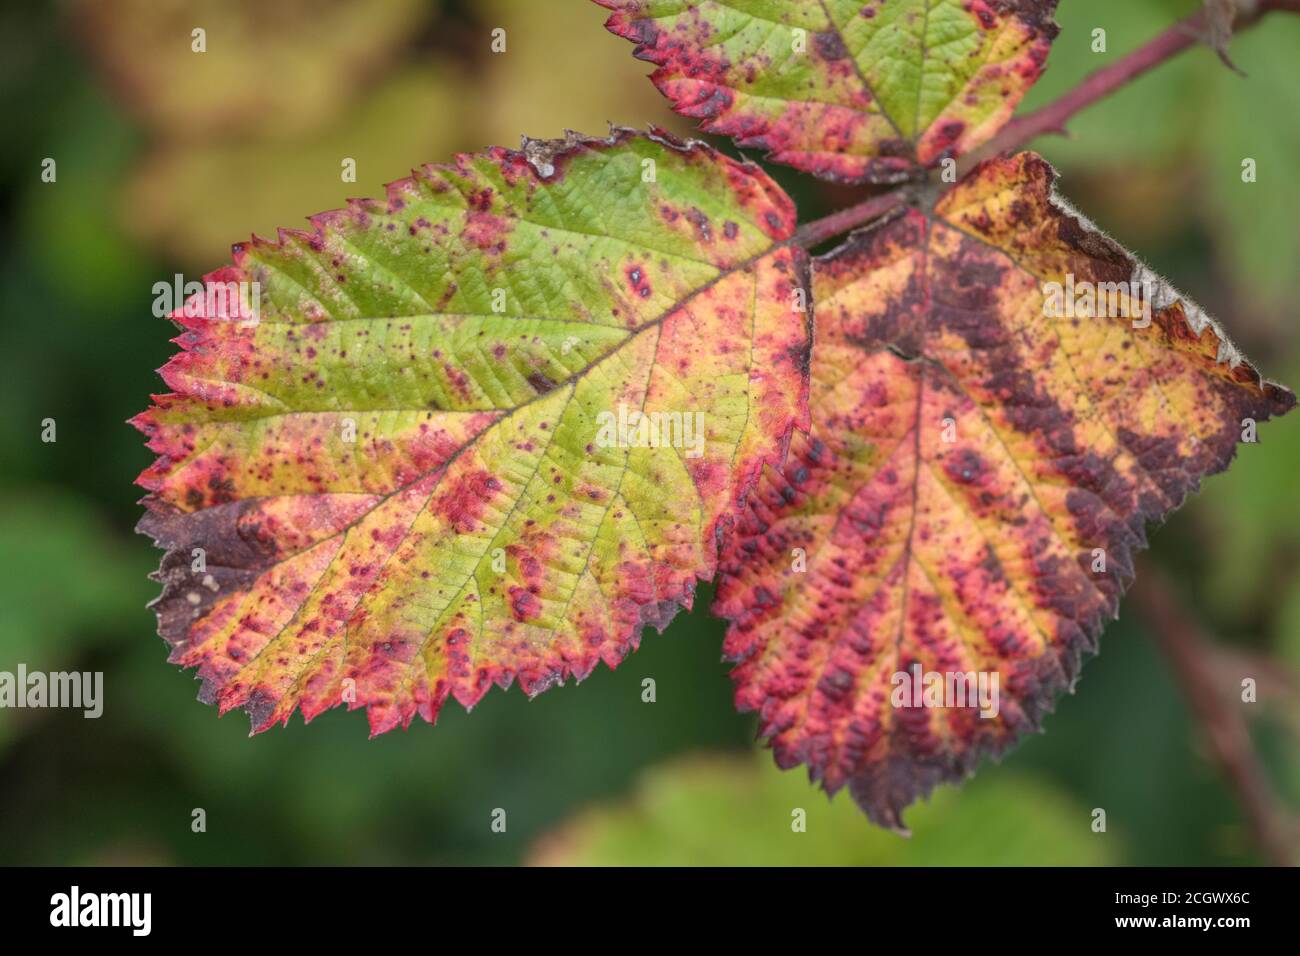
{"points": [[743, 811], [273, 70], [194, 200], [65, 585], [560, 72]]}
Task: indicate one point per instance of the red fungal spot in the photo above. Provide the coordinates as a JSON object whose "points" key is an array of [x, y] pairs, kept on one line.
{"points": [[486, 231], [985, 16], [965, 467], [830, 46], [459, 381], [463, 501], [524, 604], [541, 382], [700, 221], [637, 279], [948, 134], [774, 226], [709, 477]]}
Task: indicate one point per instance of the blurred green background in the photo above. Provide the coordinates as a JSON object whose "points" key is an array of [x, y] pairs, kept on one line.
{"points": [[164, 157]]}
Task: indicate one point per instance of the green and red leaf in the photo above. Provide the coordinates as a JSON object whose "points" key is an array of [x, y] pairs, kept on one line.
{"points": [[851, 90], [471, 328], [971, 458]]}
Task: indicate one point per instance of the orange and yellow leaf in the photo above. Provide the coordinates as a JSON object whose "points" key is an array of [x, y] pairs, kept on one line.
{"points": [[982, 467]]}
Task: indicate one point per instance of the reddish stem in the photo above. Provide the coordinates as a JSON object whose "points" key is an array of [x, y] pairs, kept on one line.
{"points": [[1100, 83], [1223, 725], [828, 227], [1051, 118]]}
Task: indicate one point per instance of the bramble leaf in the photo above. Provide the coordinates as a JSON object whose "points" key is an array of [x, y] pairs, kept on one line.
{"points": [[986, 453], [153, 54], [846, 89], [398, 486]]}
